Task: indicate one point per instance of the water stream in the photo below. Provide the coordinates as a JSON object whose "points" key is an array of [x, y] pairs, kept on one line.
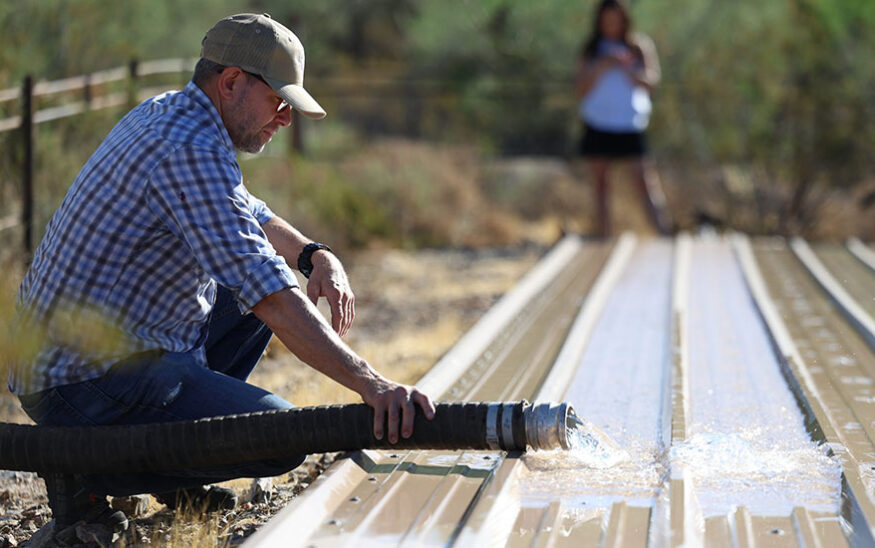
{"points": [[590, 446], [618, 395], [746, 442]]}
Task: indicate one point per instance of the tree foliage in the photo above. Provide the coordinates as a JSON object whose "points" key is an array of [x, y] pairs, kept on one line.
{"points": [[786, 84]]}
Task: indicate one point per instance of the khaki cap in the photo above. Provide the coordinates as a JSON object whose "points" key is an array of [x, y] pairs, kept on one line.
{"points": [[258, 44]]}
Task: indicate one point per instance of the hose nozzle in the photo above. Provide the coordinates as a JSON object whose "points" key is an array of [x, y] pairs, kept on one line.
{"points": [[548, 425], [515, 425]]}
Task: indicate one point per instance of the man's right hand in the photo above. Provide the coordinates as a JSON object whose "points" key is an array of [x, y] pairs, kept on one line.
{"points": [[329, 280], [300, 326], [397, 401]]}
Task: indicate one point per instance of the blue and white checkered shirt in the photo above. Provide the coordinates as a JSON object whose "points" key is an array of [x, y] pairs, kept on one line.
{"points": [[130, 261]]}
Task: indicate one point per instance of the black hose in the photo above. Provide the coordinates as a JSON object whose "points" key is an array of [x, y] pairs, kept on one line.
{"points": [[251, 437]]}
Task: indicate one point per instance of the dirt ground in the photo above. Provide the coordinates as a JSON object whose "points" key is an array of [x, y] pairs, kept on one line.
{"points": [[410, 309]]}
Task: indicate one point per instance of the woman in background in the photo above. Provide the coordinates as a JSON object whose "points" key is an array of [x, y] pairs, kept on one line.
{"points": [[618, 69]]}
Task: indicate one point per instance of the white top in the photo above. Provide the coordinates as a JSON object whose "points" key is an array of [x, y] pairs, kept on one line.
{"points": [[615, 103]]}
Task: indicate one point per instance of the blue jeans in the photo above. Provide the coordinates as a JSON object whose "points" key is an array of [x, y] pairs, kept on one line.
{"points": [[171, 387]]}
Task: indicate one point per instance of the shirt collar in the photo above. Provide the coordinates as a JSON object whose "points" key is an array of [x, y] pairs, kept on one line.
{"points": [[196, 94]]}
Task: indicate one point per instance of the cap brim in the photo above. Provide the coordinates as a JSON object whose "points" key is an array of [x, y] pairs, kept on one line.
{"points": [[298, 97]]}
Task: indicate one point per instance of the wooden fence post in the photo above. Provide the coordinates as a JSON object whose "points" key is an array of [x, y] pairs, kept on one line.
{"points": [[27, 171], [87, 94], [132, 83], [297, 137]]}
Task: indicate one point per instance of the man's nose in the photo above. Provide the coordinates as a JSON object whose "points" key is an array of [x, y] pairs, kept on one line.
{"points": [[284, 116]]}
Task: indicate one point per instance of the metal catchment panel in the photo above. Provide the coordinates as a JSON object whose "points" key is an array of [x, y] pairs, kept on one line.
{"points": [[736, 375]]}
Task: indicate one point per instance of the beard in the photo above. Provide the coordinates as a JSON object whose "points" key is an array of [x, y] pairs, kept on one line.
{"points": [[239, 125]]}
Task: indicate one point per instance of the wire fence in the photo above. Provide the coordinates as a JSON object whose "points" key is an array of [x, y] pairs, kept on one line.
{"points": [[72, 96], [409, 106]]}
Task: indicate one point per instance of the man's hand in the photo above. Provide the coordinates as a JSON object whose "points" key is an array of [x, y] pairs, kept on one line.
{"points": [[397, 401], [329, 280], [300, 326]]}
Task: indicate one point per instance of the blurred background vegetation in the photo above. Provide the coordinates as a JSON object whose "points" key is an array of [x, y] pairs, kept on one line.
{"points": [[453, 122]]}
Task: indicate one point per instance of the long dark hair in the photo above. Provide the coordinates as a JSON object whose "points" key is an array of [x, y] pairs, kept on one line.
{"points": [[590, 46]]}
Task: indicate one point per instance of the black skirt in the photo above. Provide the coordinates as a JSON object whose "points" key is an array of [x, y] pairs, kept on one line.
{"points": [[597, 143]]}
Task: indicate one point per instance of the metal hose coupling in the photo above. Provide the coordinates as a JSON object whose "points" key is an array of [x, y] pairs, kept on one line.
{"points": [[515, 425]]}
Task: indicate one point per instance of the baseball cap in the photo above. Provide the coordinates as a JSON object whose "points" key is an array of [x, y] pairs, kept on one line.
{"points": [[258, 44]]}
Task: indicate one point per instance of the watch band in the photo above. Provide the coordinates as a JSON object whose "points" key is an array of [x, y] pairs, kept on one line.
{"points": [[305, 263]]}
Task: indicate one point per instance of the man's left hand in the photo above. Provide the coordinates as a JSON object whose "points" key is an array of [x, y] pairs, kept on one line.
{"points": [[329, 280], [397, 403]]}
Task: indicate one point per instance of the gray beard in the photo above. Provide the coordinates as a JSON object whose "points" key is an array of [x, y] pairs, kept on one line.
{"points": [[242, 137], [250, 143]]}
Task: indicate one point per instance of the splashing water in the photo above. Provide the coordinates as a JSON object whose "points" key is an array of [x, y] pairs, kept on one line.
{"points": [[768, 474], [595, 471], [590, 446]]}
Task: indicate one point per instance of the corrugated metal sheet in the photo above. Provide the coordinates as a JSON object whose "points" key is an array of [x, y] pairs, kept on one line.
{"points": [[666, 342]]}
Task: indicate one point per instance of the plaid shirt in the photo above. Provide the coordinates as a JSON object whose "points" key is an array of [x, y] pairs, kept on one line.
{"points": [[130, 261]]}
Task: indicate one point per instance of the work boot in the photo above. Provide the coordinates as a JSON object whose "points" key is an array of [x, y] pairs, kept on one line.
{"points": [[73, 504], [208, 498]]}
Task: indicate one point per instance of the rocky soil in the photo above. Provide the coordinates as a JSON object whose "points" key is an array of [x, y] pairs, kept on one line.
{"points": [[411, 307]]}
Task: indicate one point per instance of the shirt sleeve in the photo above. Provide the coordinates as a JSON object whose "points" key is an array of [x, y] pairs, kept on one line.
{"points": [[260, 210], [200, 197]]}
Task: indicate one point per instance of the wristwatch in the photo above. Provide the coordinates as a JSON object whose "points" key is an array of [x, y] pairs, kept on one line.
{"points": [[305, 263]]}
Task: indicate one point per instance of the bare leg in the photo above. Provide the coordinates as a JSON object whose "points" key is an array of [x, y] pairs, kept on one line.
{"points": [[599, 168], [650, 188]]}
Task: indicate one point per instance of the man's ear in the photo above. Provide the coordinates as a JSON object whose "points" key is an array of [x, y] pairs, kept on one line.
{"points": [[230, 83]]}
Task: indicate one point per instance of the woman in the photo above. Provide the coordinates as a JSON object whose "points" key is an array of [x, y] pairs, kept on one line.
{"points": [[618, 69]]}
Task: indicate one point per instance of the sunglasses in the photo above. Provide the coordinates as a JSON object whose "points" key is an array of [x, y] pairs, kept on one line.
{"points": [[283, 104]]}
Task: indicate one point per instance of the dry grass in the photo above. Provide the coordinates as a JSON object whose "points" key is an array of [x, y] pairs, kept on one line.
{"points": [[388, 194], [747, 199], [10, 275], [411, 308]]}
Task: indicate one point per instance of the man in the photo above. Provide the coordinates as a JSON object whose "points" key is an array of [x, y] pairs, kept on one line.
{"points": [[161, 279]]}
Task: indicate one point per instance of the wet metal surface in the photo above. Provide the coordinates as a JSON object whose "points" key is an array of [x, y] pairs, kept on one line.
{"points": [[746, 441], [832, 366], [736, 377], [619, 387], [608, 496]]}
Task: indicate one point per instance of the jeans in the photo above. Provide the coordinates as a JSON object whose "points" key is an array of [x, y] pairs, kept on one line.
{"points": [[169, 387]]}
